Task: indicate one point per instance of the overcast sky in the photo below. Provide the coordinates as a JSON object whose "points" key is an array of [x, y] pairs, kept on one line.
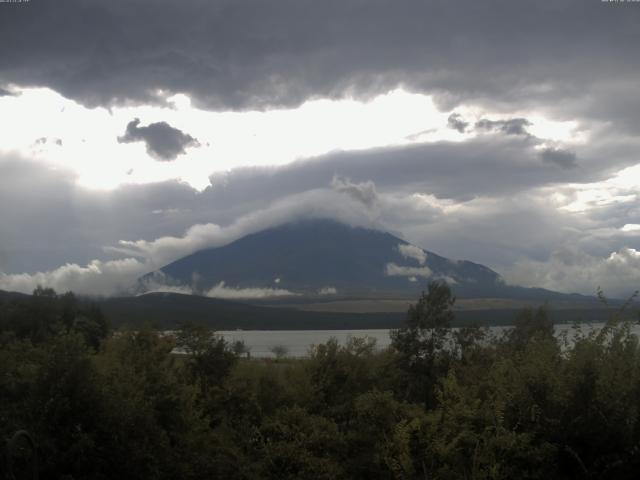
{"points": [[135, 132]]}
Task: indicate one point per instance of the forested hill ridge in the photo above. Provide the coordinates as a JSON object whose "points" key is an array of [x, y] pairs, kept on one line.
{"points": [[325, 257], [166, 310]]}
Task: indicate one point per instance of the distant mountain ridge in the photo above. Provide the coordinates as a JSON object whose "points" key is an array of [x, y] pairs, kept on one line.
{"points": [[325, 257], [170, 310]]}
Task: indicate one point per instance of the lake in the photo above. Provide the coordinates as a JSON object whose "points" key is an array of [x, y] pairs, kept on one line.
{"points": [[298, 342]]}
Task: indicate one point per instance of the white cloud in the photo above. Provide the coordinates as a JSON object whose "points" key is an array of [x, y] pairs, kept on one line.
{"points": [[169, 289], [620, 188], [394, 270], [222, 291], [160, 282], [447, 279], [96, 278], [318, 203], [229, 139], [569, 270], [327, 291], [164, 250], [364, 192], [411, 251]]}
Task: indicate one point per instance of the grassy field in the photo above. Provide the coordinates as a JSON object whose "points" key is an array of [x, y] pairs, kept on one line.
{"points": [[397, 305]]}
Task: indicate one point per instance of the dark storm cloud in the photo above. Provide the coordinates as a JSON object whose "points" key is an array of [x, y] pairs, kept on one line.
{"points": [[58, 221], [34, 235], [512, 126], [459, 171], [559, 157], [456, 122], [163, 141], [564, 56]]}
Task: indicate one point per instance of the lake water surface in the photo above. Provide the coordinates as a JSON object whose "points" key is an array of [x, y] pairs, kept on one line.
{"points": [[298, 342]]}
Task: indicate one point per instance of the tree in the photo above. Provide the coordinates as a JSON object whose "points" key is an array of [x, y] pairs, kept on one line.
{"points": [[46, 314], [297, 445], [152, 425], [339, 373], [420, 343], [209, 358], [531, 325], [280, 351], [239, 347]]}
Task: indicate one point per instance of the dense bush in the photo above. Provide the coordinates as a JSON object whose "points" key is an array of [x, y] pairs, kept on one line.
{"points": [[438, 404]]}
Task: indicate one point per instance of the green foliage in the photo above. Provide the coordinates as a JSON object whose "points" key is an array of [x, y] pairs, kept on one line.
{"points": [[151, 408], [421, 344], [280, 351], [439, 404], [298, 445], [209, 358], [46, 314], [531, 326], [339, 373], [381, 436]]}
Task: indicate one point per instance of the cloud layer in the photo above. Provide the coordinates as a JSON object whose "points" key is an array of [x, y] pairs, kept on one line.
{"points": [[81, 226], [96, 279], [230, 293], [574, 271], [252, 54], [505, 187]]}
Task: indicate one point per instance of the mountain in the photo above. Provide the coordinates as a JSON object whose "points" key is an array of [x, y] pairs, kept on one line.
{"points": [[327, 258], [6, 296]]}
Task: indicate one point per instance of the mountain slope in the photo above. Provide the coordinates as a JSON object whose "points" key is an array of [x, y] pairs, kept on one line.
{"points": [[321, 256]]}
